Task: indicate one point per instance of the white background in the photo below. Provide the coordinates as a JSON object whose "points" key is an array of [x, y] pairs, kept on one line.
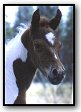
{"points": [[77, 108]]}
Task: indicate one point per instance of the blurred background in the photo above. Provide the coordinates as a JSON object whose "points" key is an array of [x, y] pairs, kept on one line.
{"points": [[41, 91]]}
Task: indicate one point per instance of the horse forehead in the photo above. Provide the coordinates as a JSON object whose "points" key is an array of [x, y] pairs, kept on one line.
{"points": [[50, 37]]}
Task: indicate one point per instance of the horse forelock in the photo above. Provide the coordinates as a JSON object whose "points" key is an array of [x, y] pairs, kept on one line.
{"points": [[44, 21]]}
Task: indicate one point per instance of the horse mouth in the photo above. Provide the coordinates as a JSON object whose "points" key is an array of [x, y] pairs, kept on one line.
{"points": [[56, 81]]}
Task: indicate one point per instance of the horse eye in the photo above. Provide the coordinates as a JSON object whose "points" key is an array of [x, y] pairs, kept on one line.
{"points": [[38, 47]]}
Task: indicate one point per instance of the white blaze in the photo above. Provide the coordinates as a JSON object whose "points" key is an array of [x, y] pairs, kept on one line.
{"points": [[55, 56], [50, 37]]}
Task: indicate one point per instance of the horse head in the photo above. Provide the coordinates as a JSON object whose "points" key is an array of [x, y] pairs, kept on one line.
{"points": [[44, 46]]}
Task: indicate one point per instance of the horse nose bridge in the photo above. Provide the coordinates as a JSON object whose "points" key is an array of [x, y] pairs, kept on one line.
{"points": [[57, 62], [60, 69], [60, 66]]}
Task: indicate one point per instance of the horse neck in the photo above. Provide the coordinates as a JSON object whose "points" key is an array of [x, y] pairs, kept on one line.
{"points": [[30, 67], [28, 44], [26, 40]]}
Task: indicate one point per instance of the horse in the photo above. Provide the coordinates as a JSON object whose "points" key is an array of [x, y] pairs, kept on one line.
{"points": [[36, 47]]}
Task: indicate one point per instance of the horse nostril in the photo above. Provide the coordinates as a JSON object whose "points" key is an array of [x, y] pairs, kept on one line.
{"points": [[55, 72]]}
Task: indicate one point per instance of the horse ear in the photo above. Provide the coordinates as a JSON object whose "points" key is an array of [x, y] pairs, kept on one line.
{"points": [[55, 21], [35, 21]]}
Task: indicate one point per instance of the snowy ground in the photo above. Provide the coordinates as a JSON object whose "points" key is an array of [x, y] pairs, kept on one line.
{"points": [[49, 94]]}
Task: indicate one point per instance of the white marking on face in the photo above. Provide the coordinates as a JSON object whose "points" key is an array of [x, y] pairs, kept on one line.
{"points": [[50, 37], [55, 56]]}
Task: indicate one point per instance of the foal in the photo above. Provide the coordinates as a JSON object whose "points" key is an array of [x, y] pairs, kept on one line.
{"points": [[36, 47]]}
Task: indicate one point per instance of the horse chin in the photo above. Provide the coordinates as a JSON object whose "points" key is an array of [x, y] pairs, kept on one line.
{"points": [[55, 81]]}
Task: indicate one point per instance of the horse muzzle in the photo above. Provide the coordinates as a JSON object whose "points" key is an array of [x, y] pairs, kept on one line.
{"points": [[56, 77]]}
